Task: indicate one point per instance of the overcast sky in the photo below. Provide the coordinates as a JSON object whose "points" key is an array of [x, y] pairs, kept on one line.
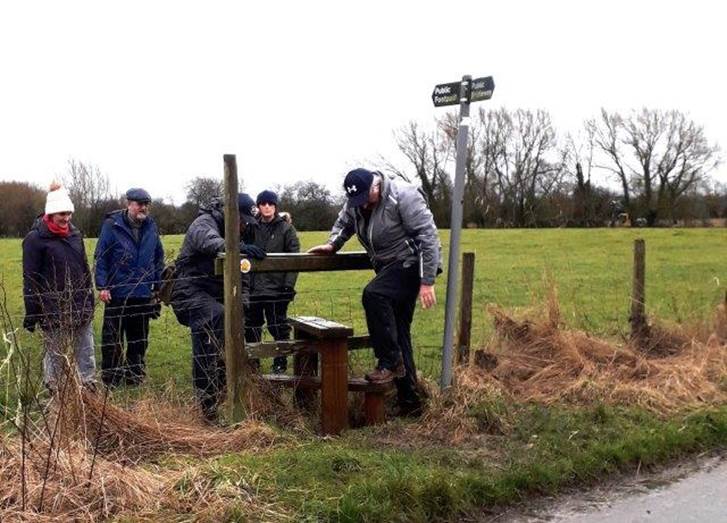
{"points": [[154, 93]]}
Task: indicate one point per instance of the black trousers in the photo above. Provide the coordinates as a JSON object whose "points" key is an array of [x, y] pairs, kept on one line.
{"points": [[389, 301], [125, 320], [274, 311], [270, 309], [206, 320]]}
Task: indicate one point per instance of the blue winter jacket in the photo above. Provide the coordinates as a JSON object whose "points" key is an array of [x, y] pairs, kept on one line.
{"points": [[127, 268]]}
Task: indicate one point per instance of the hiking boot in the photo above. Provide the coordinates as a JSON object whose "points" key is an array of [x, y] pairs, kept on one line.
{"points": [[209, 415], [134, 380], [381, 376], [409, 410], [134, 376], [254, 365], [90, 386], [280, 365]]}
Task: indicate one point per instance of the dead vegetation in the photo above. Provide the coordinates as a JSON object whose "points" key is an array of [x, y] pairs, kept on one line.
{"points": [[667, 371], [535, 359]]}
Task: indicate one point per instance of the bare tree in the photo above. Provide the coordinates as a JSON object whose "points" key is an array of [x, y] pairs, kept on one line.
{"points": [[427, 154], [686, 159], [606, 134], [90, 193], [201, 191], [657, 155], [312, 206], [578, 164], [519, 150]]}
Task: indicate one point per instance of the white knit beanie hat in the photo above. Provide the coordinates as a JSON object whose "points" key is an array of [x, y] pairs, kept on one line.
{"points": [[58, 200]]}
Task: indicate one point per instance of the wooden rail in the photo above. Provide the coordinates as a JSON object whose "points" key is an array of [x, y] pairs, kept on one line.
{"points": [[304, 262], [271, 349]]}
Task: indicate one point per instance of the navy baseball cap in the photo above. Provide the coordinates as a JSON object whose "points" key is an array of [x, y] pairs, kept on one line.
{"points": [[357, 185], [137, 194], [247, 208]]}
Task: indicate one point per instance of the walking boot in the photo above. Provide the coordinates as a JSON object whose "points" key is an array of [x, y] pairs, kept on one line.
{"points": [[381, 376]]}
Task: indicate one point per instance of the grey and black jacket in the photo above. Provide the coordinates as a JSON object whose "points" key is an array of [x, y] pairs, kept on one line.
{"points": [[195, 265], [401, 228], [275, 236]]}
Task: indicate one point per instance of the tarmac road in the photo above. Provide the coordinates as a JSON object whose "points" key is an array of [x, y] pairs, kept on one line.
{"points": [[690, 491]]}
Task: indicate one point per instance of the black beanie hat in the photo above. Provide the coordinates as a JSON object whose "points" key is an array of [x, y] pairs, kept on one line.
{"points": [[267, 197]]}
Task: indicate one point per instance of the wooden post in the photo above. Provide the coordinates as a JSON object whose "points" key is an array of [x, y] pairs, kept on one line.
{"points": [[235, 355], [332, 345], [304, 365], [638, 294], [334, 385], [374, 407], [465, 307]]}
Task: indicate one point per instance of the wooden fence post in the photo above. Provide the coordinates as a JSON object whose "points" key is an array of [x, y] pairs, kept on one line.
{"points": [[236, 367], [638, 294], [465, 307]]}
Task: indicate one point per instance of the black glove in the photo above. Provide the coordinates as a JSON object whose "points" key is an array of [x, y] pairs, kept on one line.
{"points": [[252, 251], [155, 310], [29, 323]]}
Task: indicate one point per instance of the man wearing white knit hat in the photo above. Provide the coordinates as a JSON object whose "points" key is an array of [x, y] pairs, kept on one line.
{"points": [[58, 293]]}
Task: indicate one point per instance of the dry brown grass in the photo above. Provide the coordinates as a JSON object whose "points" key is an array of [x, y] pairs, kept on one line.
{"points": [[89, 460], [535, 359], [668, 371]]}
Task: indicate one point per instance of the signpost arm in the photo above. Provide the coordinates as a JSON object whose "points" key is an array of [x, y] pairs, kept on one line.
{"points": [[455, 233]]}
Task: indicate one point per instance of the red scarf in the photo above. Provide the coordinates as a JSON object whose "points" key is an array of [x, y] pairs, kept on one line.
{"points": [[63, 232]]}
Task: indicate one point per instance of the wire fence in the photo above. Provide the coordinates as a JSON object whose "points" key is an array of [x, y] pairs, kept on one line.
{"points": [[593, 299]]}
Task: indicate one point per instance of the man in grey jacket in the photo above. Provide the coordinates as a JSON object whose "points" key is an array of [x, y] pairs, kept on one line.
{"points": [[395, 226]]}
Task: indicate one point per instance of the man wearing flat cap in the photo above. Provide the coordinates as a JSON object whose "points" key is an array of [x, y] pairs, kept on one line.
{"points": [[395, 226], [129, 261], [198, 295]]}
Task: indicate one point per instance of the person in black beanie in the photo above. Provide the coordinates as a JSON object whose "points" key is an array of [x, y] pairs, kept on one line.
{"points": [[272, 292]]}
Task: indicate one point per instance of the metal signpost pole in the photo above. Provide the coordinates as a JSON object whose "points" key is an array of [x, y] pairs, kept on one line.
{"points": [[455, 232], [463, 92]]}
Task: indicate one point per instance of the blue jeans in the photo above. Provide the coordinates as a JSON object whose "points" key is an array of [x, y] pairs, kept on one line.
{"points": [[60, 346]]}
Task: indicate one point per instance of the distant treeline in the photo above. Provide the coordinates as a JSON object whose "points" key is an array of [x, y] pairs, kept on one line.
{"points": [[311, 205], [519, 173]]}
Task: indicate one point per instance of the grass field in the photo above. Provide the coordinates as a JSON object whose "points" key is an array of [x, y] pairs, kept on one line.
{"points": [[400, 472], [686, 277]]}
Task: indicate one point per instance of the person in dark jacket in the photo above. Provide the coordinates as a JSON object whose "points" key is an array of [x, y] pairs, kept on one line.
{"points": [[395, 226], [129, 261], [271, 292], [58, 293], [198, 296]]}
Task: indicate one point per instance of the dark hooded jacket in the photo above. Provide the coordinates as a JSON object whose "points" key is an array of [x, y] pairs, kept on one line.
{"points": [[276, 236], [195, 265], [125, 266], [57, 285]]}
